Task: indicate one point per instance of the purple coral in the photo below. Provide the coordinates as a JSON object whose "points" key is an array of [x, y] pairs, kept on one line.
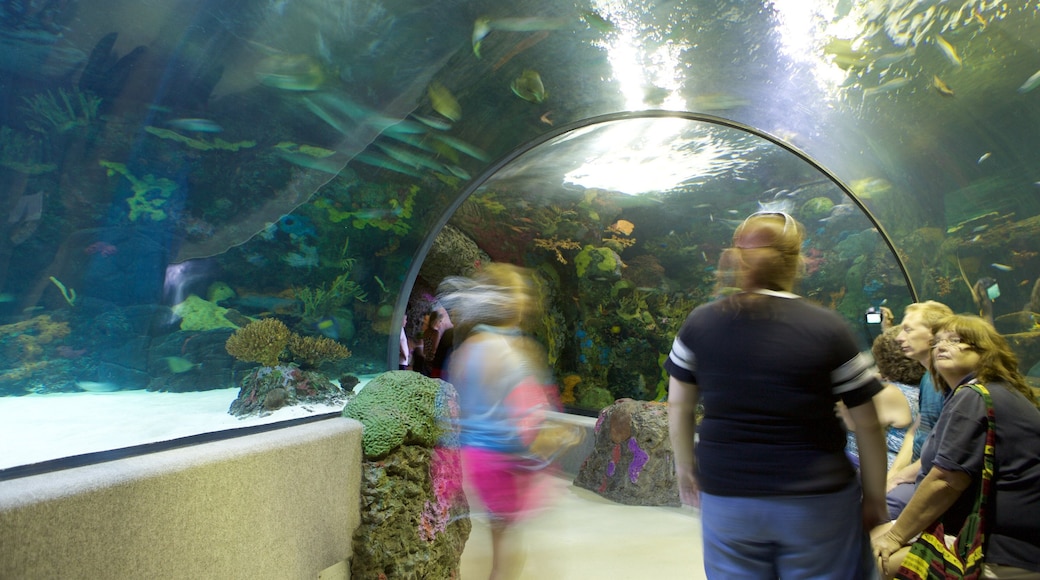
{"points": [[639, 459]]}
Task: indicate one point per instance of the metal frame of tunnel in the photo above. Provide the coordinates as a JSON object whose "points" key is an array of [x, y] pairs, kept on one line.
{"points": [[420, 255]]}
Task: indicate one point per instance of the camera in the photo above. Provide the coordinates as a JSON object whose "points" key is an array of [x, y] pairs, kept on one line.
{"points": [[873, 315], [991, 288]]}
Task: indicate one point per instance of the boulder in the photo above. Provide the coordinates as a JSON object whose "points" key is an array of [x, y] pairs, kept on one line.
{"points": [[631, 462]]}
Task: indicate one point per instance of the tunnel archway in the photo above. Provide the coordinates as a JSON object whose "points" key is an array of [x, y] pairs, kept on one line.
{"points": [[660, 191]]}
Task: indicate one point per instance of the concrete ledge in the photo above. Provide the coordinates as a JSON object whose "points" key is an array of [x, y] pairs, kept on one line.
{"points": [[281, 504], [569, 462]]}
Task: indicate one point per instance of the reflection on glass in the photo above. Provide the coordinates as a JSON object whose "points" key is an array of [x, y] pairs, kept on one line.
{"points": [[625, 222]]}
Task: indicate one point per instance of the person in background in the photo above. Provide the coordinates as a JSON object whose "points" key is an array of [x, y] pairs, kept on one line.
{"points": [[768, 368], [897, 403], [967, 350], [405, 352], [915, 340], [503, 381], [439, 324]]}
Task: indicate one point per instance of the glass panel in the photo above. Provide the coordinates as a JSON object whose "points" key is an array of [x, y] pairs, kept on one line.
{"points": [[149, 151], [625, 220]]}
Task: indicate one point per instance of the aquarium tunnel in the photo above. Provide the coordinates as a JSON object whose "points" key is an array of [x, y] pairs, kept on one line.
{"points": [[172, 173]]}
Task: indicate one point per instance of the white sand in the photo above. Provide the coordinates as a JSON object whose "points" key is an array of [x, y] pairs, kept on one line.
{"points": [[37, 428]]}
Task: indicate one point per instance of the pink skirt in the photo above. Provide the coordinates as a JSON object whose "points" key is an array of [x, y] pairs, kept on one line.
{"points": [[505, 487]]}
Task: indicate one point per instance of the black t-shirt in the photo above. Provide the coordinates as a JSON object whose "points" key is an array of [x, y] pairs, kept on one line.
{"points": [[768, 376], [956, 443]]}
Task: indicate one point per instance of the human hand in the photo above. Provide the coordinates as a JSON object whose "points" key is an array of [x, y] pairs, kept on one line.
{"points": [[689, 490], [884, 544], [887, 318]]}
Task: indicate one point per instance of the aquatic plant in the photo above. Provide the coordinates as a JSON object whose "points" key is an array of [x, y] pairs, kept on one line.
{"points": [[261, 341], [319, 302], [22, 152], [65, 111], [310, 352], [200, 144]]}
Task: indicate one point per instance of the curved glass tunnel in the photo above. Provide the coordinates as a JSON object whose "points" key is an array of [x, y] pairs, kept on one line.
{"points": [[168, 173]]}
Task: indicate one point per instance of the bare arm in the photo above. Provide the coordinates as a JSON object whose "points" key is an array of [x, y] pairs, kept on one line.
{"points": [[906, 451], [682, 426], [873, 461], [907, 474], [934, 495]]}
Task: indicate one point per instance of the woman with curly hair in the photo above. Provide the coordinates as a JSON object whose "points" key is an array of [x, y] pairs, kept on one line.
{"points": [[967, 350]]}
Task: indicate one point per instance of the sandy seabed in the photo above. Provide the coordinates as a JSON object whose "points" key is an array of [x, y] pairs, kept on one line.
{"points": [[35, 428]]}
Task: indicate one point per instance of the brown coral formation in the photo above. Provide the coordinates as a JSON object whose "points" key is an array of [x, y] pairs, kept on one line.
{"points": [[261, 341], [311, 352]]}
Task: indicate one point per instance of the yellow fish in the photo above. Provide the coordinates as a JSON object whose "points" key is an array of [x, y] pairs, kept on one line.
{"points": [[948, 50], [528, 86], [942, 87], [622, 227], [444, 102]]}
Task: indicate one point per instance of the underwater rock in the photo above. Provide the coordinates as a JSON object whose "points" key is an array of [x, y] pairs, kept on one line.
{"points": [[414, 516], [453, 254], [285, 385], [631, 462]]}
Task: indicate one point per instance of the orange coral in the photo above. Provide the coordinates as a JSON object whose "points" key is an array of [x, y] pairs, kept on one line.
{"points": [[311, 352], [259, 341], [557, 245]]}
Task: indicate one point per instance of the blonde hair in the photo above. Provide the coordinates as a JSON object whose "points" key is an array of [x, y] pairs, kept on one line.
{"points": [[766, 254], [930, 311], [500, 295], [997, 362]]}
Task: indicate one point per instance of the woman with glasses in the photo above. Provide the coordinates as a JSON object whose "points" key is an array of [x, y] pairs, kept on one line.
{"points": [[778, 496], [966, 350]]}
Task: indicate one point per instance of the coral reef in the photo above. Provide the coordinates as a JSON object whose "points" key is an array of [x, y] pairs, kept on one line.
{"points": [[23, 342], [200, 144], [396, 408], [310, 352], [270, 388], [261, 341], [597, 263], [555, 245], [151, 193], [199, 314], [414, 516]]}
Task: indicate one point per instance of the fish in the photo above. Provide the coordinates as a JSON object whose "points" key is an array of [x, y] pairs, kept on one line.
{"points": [[948, 51], [324, 115], [179, 364], [520, 47], [887, 86], [1002, 267], [97, 387], [290, 72], [1031, 83], [410, 159], [546, 119], [432, 122], [597, 22], [328, 327], [462, 146], [984, 157], [484, 25], [942, 87], [622, 227], [386, 163], [444, 102], [978, 17], [529, 87], [196, 125]]}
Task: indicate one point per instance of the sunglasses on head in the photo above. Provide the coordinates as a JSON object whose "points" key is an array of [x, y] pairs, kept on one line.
{"points": [[788, 223]]}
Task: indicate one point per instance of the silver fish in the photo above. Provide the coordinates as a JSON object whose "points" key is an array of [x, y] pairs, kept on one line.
{"points": [[1031, 83]]}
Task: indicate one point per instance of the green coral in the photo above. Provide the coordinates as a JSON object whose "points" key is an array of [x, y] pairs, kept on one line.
{"points": [[602, 258], [200, 144], [150, 192], [393, 218], [319, 302], [396, 408], [199, 314]]}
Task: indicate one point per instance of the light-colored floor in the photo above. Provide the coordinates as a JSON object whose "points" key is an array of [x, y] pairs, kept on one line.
{"points": [[582, 536]]}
